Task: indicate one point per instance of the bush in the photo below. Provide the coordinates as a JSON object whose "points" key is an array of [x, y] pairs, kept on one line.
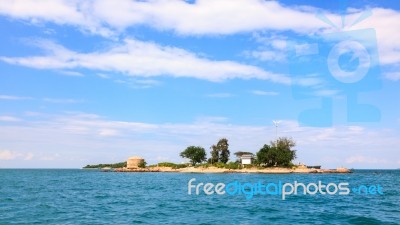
{"points": [[99, 166], [166, 164], [142, 164], [232, 165], [178, 166], [172, 165], [219, 165], [204, 165], [248, 166], [291, 165]]}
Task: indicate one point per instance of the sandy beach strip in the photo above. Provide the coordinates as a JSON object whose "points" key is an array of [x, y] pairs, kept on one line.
{"points": [[272, 170]]}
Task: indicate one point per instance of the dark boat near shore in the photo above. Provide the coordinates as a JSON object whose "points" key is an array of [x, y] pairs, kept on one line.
{"points": [[314, 167]]}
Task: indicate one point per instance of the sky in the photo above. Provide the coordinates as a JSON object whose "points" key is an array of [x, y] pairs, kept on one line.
{"points": [[88, 82]]}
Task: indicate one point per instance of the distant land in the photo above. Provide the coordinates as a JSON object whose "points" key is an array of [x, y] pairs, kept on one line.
{"points": [[101, 166]]}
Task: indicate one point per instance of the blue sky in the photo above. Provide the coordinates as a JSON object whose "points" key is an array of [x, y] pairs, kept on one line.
{"points": [[99, 81]]}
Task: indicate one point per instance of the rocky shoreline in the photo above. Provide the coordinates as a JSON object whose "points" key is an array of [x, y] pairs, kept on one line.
{"points": [[274, 170]]}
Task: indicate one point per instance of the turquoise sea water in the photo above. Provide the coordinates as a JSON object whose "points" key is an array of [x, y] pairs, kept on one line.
{"points": [[91, 197]]}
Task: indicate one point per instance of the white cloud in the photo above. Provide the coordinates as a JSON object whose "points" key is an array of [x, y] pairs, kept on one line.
{"points": [[9, 119], [6, 155], [108, 132], [201, 17], [267, 55], [62, 101], [104, 76], [365, 160], [91, 138], [12, 155], [28, 156], [384, 21], [49, 157], [50, 100], [394, 76], [272, 49], [139, 83], [71, 73], [60, 12], [10, 97], [144, 59], [269, 93]]}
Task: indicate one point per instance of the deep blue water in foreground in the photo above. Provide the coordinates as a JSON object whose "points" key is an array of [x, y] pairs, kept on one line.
{"points": [[91, 197]]}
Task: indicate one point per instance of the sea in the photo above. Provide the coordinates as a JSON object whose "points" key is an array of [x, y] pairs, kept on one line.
{"points": [[77, 196]]}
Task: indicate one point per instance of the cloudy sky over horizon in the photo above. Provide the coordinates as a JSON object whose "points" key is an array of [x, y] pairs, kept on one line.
{"points": [[87, 82]]}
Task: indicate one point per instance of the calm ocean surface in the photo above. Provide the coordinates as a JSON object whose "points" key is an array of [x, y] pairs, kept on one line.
{"points": [[91, 197]]}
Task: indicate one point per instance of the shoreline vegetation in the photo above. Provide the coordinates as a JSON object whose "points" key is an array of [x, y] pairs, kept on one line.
{"points": [[213, 169], [275, 158]]}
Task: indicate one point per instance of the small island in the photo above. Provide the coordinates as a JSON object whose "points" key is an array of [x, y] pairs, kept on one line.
{"points": [[273, 158]]}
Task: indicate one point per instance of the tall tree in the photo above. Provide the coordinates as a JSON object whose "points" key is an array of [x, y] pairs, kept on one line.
{"points": [[196, 154], [279, 153], [214, 155], [262, 155], [223, 149]]}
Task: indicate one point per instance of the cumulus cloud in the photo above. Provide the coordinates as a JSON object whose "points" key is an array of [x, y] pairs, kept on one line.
{"points": [[62, 100], [11, 97], [13, 155], [144, 59], [88, 137], [9, 119], [6, 155], [204, 17], [268, 93], [384, 21], [200, 17], [394, 76]]}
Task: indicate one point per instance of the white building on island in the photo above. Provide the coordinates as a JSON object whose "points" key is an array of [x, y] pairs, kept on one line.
{"points": [[246, 159]]}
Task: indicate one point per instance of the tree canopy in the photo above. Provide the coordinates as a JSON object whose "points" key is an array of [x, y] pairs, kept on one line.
{"points": [[220, 152], [278, 153], [223, 148], [99, 166], [196, 154], [214, 155]]}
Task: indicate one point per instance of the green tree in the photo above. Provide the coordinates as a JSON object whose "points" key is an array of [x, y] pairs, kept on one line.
{"points": [[223, 149], [142, 164], [284, 151], [279, 153], [196, 154], [214, 155], [262, 155]]}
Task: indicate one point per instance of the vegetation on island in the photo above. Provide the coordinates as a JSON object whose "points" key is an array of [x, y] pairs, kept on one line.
{"points": [[169, 164], [220, 152], [196, 154], [142, 164], [279, 153], [99, 166]]}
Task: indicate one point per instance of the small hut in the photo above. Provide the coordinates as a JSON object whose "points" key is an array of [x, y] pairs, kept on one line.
{"points": [[134, 162]]}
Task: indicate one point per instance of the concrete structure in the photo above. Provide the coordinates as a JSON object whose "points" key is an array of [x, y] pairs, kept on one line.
{"points": [[246, 159], [134, 162]]}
